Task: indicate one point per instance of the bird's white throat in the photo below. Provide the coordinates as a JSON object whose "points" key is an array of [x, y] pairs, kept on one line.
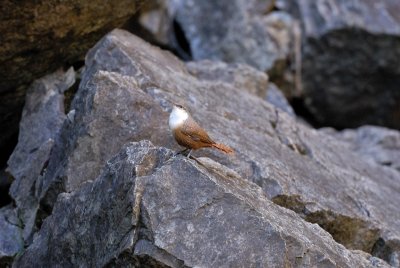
{"points": [[177, 117]]}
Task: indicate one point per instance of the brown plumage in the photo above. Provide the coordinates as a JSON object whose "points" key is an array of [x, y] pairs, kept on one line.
{"points": [[189, 134]]}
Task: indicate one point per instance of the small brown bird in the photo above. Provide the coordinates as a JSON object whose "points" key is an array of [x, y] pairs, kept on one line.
{"points": [[189, 134]]}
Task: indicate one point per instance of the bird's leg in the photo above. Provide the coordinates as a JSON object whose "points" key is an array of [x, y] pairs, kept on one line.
{"points": [[188, 156], [181, 152]]}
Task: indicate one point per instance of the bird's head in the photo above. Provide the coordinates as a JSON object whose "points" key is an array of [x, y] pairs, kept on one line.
{"points": [[178, 116]]}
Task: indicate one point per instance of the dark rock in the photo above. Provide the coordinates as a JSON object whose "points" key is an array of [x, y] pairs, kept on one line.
{"points": [[11, 241], [374, 143], [126, 93], [42, 118], [151, 209], [350, 61], [38, 37]]}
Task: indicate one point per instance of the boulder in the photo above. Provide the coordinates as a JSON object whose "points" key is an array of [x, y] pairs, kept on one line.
{"points": [[148, 208], [126, 93], [350, 61], [42, 119], [38, 37], [235, 31]]}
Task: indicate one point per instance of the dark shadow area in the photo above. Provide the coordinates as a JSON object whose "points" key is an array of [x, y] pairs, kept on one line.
{"points": [[5, 178], [182, 42], [302, 111], [5, 183]]}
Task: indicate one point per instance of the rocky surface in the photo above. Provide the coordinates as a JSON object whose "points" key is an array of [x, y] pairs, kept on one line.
{"points": [[42, 119], [350, 60], [238, 32], [373, 143], [126, 93], [238, 75], [275, 96], [38, 37], [11, 241], [241, 76], [157, 211]]}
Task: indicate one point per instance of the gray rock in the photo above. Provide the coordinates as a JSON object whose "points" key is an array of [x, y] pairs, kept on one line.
{"points": [[11, 241], [276, 97], [238, 75], [242, 77], [374, 143], [350, 61], [231, 33], [148, 209], [246, 32], [126, 93], [42, 118]]}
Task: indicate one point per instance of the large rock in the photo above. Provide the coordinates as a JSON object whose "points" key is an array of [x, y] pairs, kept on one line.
{"points": [[38, 37], [126, 94], [148, 209], [239, 31], [42, 118], [350, 61], [238, 75], [233, 33]]}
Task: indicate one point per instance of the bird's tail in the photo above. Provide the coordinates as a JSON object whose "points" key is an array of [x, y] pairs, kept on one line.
{"points": [[224, 148]]}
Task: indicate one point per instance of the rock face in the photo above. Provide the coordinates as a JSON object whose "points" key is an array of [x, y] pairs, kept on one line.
{"points": [[42, 118], [234, 31], [38, 37], [154, 210], [239, 75], [350, 61], [126, 94]]}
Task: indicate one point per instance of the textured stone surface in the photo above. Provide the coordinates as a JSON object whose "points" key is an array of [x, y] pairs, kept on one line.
{"points": [[232, 33], [276, 97], [350, 61], [151, 209], [243, 77], [238, 75], [374, 143], [126, 93], [42, 118], [38, 37], [11, 241]]}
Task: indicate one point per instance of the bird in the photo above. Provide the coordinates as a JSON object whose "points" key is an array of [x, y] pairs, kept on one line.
{"points": [[189, 134]]}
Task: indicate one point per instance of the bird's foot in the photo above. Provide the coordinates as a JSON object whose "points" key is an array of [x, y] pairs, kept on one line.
{"points": [[180, 152]]}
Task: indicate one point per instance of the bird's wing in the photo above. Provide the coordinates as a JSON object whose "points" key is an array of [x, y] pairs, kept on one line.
{"points": [[196, 133]]}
